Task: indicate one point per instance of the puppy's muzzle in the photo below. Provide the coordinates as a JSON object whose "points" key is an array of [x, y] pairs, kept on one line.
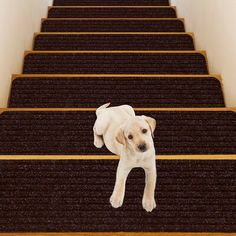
{"points": [[142, 147]]}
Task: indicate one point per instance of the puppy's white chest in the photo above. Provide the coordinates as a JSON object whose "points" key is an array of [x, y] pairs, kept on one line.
{"points": [[139, 161]]}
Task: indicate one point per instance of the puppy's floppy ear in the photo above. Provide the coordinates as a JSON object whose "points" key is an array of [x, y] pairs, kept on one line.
{"points": [[120, 137], [151, 122]]}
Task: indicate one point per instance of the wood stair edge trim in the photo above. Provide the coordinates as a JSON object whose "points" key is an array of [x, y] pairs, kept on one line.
{"points": [[203, 52], [156, 19], [114, 157], [225, 109], [124, 6], [113, 33], [79, 76], [117, 234]]}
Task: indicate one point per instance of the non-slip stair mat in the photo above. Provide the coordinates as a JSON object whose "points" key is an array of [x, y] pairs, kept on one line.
{"points": [[137, 92], [115, 63], [73, 196], [71, 132], [113, 42], [111, 3], [112, 25], [105, 12]]}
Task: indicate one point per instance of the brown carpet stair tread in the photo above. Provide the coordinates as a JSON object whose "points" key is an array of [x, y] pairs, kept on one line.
{"points": [[115, 62], [90, 52], [73, 196], [110, 12], [113, 25], [113, 41], [43, 91], [70, 132], [111, 3]]}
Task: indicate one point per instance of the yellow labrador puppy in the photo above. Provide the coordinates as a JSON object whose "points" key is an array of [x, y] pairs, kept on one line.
{"points": [[131, 138]]}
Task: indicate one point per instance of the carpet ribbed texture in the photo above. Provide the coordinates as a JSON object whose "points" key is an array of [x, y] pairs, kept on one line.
{"points": [[111, 3], [113, 42], [73, 196], [166, 12], [118, 63], [72, 133], [81, 92], [108, 25]]}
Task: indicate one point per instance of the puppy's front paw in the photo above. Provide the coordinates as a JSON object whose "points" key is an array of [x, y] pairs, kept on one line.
{"points": [[98, 142], [149, 203], [116, 200]]}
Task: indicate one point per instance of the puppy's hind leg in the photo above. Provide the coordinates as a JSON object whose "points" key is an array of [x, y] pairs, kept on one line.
{"points": [[98, 140], [98, 130]]}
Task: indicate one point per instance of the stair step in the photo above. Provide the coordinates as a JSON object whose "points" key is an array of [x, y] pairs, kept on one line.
{"points": [[113, 62], [92, 91], [70, 131], [109, 12], [113, 41], [113, 25], [111, 3], [73, 196]]}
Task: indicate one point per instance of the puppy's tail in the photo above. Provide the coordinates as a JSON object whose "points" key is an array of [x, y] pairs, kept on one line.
{"points": [[98, 111]]}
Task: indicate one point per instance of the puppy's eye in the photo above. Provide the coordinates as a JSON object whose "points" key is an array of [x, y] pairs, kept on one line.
{"points": [[130, 136], [144, 131]]}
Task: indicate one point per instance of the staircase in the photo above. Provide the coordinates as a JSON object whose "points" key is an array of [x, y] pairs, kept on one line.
{"points": [[125, 52]]}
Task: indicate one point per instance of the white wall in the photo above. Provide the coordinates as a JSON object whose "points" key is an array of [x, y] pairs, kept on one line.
{"points": [[213, 22], [19, 19]]}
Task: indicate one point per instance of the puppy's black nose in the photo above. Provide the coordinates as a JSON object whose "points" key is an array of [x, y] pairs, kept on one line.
{"points": [[142, 147]]}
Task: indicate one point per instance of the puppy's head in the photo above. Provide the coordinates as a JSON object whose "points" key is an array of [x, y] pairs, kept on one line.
{"points": [[137, 133]]}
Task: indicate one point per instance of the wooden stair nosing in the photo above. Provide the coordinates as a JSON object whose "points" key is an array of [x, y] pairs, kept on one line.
{"points": [[106, 19], [221, 109], [117, 234], [125, 6], [78, 76], [117, 51], [114, 157], [114, 33]]}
